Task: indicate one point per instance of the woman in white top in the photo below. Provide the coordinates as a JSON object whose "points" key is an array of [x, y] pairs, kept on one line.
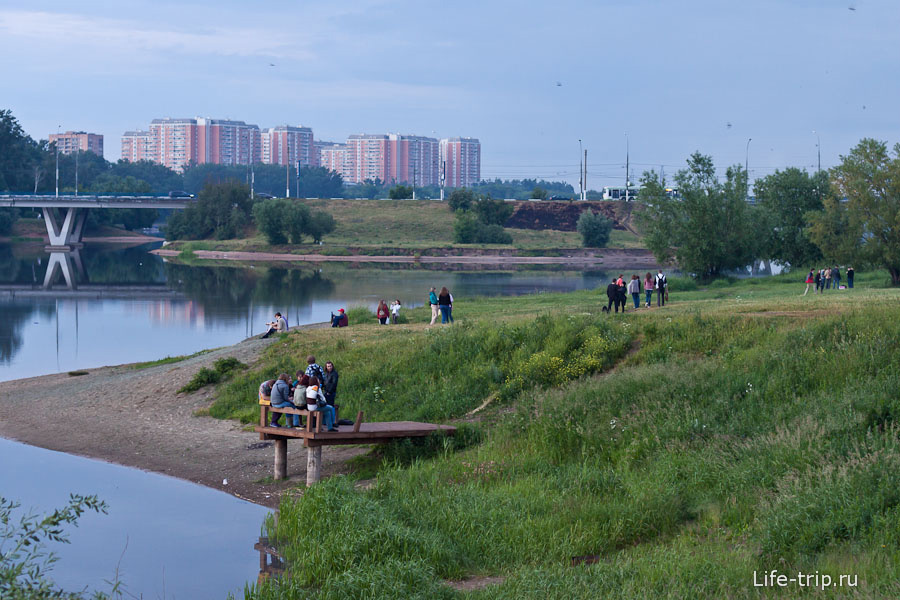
{"points": [[315, 400]]}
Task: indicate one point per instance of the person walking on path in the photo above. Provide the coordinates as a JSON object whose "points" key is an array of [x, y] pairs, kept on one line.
{"points": [[850, 274], [810, 279], [382, 313], [661, 284], [612, 293], [836, 277], [445, 301], [433, 301], [634, 288], [648, 287], [281, 398]]}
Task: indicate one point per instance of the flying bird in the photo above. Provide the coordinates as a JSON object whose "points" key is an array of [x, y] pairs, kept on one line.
{"points": [[853, 8], [271, 64], [728, 125], [559, 84]]}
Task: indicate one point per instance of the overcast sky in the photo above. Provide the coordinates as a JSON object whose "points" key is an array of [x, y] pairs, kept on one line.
{"points": [[529, 79]]}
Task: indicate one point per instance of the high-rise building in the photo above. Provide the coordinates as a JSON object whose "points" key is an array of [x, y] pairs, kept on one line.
{"points": [[138, 145], [461, 158], [71, 141], [224, 142], [413, 159], [285, 144], [332, 156], [175, 141], [367, 157]]}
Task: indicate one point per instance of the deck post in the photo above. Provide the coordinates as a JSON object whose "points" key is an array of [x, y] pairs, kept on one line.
{"points": [[280, 458], [313, 464]]}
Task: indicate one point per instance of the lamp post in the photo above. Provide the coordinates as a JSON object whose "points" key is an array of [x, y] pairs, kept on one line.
{"points": [[580, 172], [747, 165], [818, 151], [57, 159], [627, 169]]}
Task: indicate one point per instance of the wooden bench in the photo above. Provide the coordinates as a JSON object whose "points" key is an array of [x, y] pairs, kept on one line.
{"points": [[265, 407]]}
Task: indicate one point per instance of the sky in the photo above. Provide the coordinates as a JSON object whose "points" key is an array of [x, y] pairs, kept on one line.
{"points": [[527, 78]]}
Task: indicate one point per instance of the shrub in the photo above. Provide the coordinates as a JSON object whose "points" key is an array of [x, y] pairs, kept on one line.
{"points": [[469, 230], [400, 192], [594, 229], [222, 370], [461, 199], [493, 212]]}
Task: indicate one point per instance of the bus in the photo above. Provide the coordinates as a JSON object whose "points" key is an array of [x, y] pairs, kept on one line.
{"points": [[619, 193]]}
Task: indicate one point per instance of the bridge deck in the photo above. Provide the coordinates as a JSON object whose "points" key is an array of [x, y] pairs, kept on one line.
{"points": [[369, 433]]}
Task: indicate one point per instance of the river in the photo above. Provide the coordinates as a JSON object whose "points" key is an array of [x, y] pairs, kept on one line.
{"points": [[171, 538]]}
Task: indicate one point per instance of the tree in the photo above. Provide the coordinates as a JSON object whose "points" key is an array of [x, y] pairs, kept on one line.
{"points": [[320, 223], [221, 211], [539, 193], [594, 229], [319, 182], [274, 220], [783, 200], [401, 192], [860, 221], [708, 230], [19, 155], [461, 199], [493, 212], [160, 178]]}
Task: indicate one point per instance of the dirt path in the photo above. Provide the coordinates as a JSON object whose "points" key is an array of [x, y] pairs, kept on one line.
{"points": [[135, 417]]}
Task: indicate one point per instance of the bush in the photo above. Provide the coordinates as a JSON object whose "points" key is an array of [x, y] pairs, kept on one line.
{"points": [[281, 218], [493, 212], [469, 230], [222, 370], [400, 192], [594, 229], [8, 216], [461, 199]]}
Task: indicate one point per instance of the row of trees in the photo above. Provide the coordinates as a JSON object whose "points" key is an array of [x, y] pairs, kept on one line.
{"points": [[849, 215]]}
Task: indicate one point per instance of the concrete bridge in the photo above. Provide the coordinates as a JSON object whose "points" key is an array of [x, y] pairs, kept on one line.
{"points": [[67, 230]]}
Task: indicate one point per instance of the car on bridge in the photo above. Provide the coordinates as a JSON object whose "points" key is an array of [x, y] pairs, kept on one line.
{"points": [[180, 194]]}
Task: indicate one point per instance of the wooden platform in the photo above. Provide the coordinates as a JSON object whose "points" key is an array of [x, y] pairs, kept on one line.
{"points": [[369, 433]]}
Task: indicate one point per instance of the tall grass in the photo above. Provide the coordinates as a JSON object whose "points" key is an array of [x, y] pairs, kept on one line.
{"points": [[727, 443]]}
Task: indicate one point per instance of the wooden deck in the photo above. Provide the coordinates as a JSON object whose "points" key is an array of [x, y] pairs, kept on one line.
{"points": [[369, 433]]}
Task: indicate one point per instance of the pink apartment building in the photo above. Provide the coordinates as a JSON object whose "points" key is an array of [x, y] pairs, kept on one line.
{"points": [[413, 159], [138, 145], [71, 141], [285, 144], [332, 156], [462, 161], [367, 157]]}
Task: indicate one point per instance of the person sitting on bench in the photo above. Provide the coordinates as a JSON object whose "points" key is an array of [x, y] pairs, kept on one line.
{"points": [[315, 400], [340, 319], [281, 398]]}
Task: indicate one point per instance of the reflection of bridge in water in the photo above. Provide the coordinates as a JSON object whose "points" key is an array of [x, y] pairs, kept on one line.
{"points": [[67, 230]]}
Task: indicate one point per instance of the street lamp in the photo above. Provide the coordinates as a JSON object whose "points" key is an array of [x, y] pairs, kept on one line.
{"points": [[818, 151], [57, 159], [580, 172], [747, 165]]}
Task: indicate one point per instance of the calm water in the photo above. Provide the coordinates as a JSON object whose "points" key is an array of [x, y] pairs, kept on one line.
{"points": [[132, 306], [168, 537]]}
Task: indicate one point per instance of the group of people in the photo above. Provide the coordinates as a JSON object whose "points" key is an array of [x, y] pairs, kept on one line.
{"points": [[383, 312], [315, 388], [825, 279], [441, 302], [617, 291]]}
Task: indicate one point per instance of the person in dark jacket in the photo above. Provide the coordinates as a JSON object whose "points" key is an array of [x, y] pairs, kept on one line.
{"points": [[445, 303], [850, 274], [623, 294], [281, 398], [612, 292], [330, 383]]}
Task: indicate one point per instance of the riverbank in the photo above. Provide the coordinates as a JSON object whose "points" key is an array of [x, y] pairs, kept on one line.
{"points": [[133, 415], [607, 258], [34, 231]]}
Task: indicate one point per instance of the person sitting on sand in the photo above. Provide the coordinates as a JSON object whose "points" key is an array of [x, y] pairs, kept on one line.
{"points": [[315, 401], [278, 325]]}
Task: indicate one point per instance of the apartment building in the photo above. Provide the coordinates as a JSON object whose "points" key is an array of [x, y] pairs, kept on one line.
{"points": [[285, 145], [224, 142], [71, 141], [413, 159], [138, 145], [332, 155], [461, 158]]}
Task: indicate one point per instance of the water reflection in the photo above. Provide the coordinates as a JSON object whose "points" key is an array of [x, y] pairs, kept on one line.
{"points": [[271, 562]]}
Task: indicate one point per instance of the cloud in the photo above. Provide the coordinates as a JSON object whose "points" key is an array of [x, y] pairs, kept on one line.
{"points": [[124, 37]]}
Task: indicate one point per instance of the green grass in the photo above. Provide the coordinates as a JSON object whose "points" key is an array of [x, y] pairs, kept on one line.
{"points": [[167, 360], [749, 429], [221, 370]]}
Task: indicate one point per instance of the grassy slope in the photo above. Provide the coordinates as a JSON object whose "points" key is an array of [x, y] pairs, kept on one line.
{"points": [[750, 428], [412, 224]]}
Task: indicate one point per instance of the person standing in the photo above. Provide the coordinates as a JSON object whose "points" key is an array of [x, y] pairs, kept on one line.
{"points": [[810, 279], [827, 278], [850, 274], [444, 303], [433, 301], [623, 293], [634, 288], [382, 313], [660, 284], [819, 281], [836, 277], [648, 287], [313, 369], [395, 312], [612, 293], [330, 384]]}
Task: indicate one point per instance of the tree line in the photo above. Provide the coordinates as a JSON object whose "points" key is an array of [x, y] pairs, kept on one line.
{"points": [[849, 215]]}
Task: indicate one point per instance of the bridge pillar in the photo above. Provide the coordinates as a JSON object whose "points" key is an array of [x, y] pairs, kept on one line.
{"points": [[60, 262], [68, 232]]}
